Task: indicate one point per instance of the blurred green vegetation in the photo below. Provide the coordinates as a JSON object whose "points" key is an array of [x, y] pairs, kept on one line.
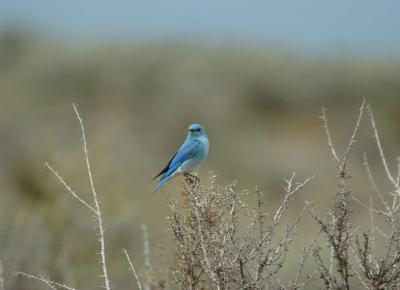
{"points": [[260, 108]]}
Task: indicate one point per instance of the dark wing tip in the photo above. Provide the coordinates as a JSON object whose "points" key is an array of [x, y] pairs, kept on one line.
{"points": [[159, 174], [165, 169]]}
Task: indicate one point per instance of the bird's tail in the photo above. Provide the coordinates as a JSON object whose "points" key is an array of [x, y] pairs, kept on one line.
{"points": [[160, 184]]}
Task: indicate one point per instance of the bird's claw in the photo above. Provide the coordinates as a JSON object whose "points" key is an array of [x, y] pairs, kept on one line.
{"points": [[192, 179]]}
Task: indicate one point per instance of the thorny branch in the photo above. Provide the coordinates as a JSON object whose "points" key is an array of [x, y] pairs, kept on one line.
{"points": [[337, 226], [95, 210], [51, 284]]}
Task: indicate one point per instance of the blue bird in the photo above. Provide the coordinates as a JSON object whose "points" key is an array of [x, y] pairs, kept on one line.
{"points": [[189, 156]]}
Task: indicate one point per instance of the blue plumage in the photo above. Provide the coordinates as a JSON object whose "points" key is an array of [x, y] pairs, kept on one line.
{"points": [[189, 156]]}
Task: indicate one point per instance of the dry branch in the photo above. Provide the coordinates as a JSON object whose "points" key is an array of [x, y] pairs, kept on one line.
{"points": [[95, 210], [133, 270], [211, 251], [48, 282], [1, 276], [337, 226]]}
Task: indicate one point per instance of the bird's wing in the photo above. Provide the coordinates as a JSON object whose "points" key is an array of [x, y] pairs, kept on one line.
{"points": [[188, 150], [165, 169]]}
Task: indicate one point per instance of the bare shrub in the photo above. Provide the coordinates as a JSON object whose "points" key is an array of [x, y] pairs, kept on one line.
{"points": [[212, 250], [336, 225], [222, 241], [380, 271], [354, 251]]}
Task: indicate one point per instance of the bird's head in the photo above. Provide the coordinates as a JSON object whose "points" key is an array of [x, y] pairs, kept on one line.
{"points": [[196, 130]]}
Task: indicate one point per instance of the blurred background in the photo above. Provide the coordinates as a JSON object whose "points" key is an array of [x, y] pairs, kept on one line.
{"points": [[254, 73]]}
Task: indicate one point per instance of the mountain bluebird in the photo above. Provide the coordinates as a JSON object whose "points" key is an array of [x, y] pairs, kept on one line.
{"points": [[189, 156]]}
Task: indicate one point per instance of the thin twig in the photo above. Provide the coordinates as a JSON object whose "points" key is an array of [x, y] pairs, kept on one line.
{"points": [[358, 274], [44, 280], [332, 254], [290, 191], [98, 214], [371, 209], [1, 276], [48, 283], [374, 186], [398, 171], [341, 164], [133, 270], [95, 210], [146, 247], [395, 182], [372, 238], [338, 230], [210, 271], [383, 234], [146, 252], [68, 188], [380, 148], [353, 136], [328, 136]]}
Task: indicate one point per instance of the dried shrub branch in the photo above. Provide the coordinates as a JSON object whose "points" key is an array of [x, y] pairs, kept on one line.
{"points": [[221, 241], [135, 275], [380, 271], [51, 284], [1, 276], [337, 226], [213, 249], [95, 210]]}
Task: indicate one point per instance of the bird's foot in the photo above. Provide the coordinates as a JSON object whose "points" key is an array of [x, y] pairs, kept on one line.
{"points": [[192, 179]]}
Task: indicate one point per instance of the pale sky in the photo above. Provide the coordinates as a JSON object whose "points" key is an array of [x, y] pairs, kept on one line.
{"points": [[312, 26]]}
